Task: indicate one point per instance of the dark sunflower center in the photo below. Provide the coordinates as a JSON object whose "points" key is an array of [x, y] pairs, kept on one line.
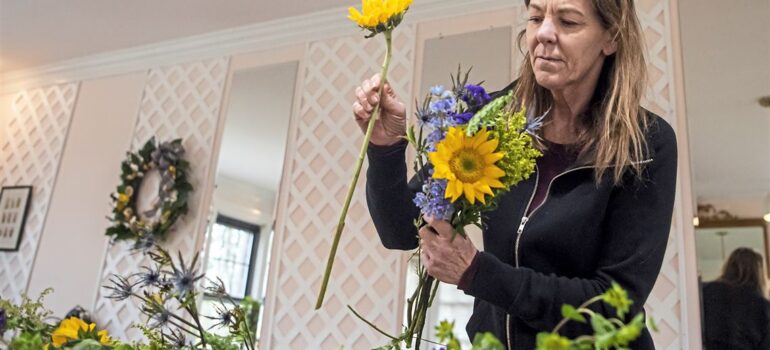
{"points": [[467, 165]]}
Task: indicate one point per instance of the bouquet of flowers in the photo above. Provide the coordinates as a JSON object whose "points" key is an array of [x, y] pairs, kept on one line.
{"points": [[469, 150]]}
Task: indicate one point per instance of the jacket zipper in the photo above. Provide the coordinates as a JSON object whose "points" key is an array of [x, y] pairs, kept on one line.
{"points": [[526, 218], [518, 234]]}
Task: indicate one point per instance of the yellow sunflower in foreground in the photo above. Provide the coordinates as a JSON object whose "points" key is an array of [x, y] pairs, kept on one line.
{"points": [[468, 165], [378, 12], [74, 328]]}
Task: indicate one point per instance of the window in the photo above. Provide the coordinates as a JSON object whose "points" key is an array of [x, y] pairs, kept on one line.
{"points": [[232, 254]]}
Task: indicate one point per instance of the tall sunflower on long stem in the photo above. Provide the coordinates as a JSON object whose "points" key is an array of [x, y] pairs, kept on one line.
{"points": [[377, 16]]}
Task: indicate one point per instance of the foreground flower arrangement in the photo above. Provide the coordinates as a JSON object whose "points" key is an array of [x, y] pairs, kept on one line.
{"points": [[167, 294]]}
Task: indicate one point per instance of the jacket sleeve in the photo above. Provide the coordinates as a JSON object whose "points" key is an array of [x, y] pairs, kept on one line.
{"points": [[389, 196], [636, 230]]}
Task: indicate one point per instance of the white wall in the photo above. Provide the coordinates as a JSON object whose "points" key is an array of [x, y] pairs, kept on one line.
{"points": [[72, 245]]}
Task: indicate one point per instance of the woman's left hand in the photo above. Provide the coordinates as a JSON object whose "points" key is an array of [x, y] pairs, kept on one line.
{"points": [[444, 258]]}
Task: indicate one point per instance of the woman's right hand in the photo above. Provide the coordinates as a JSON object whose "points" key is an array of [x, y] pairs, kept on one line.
{"points": [[391, 125]]}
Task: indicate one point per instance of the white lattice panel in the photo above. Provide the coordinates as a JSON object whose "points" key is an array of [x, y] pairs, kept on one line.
{"points": [[181, 101], [326, 146], [664, 303], [35, 135]]}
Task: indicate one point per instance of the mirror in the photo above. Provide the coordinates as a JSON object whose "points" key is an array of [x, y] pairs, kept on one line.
{"points": [[716, 236], [726, 66], [247, 181]]}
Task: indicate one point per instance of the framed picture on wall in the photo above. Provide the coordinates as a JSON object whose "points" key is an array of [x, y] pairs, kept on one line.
{"points": [[14, 205]]}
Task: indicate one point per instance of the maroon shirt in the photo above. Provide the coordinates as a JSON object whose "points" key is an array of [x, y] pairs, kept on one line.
{"points": [[555, 160]]}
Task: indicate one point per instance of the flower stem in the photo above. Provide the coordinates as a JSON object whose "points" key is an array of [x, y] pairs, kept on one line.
{"points": [[193, 311], [354, 180], [371, 324]]}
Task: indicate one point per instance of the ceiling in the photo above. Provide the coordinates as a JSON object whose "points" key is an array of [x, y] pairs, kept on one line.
{"points": [[40, 32]]}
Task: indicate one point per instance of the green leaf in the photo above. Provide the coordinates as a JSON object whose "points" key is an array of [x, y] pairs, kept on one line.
{"points": [[601, 325], [569, 312], [486, 341], [88, 344], [552, 341]]}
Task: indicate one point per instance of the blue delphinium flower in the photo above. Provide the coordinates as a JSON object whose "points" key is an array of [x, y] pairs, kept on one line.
{"points": [[433, 138], [437, 90], [431, 200], [444, 105]]}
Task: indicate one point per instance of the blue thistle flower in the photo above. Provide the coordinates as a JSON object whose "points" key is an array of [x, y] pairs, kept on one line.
{"points": [[534, 124], [424, 115], [224, 317], [184, 277], [150, 277], [160, 318], [179, 340], [122, 288]]}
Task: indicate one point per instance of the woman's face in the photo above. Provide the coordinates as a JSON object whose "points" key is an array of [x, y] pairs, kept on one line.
{"points": [[567, 43]]}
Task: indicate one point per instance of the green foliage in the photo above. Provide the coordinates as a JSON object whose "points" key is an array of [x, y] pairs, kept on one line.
{"points": [[27, 341], [570, 312], [445, 334], [518, 149], [28, 320], [617, 298], [608, 333], [219, 342], [486, 341]]}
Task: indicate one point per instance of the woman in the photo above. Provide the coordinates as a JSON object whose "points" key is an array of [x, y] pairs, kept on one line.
{"points": [[736, 314], [598, 208]]}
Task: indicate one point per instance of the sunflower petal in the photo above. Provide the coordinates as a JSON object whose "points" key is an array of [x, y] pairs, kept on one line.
{"points": [[493, 172], [488, 146], [492, 158], [468, 192]]}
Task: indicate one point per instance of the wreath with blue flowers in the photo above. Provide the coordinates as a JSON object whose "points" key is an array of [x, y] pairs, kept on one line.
{"points": [[174, 189]]}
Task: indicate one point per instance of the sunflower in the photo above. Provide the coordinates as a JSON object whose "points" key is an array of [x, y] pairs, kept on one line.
{"points": [[468, 165], [378, 13], [74, 328]]}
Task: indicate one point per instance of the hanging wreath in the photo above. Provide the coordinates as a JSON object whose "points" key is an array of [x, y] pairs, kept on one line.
{"points": [[148, 226]]}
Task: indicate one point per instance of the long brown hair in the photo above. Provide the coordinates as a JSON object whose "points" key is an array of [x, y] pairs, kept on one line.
{"points": [[614, 124], [744, 268]]}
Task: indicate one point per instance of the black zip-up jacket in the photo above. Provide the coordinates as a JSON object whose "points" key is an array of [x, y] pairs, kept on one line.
{"points": [[567, 251]]}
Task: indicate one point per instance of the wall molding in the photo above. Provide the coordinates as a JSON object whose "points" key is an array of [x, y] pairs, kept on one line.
{"points": [[251, 38]]}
